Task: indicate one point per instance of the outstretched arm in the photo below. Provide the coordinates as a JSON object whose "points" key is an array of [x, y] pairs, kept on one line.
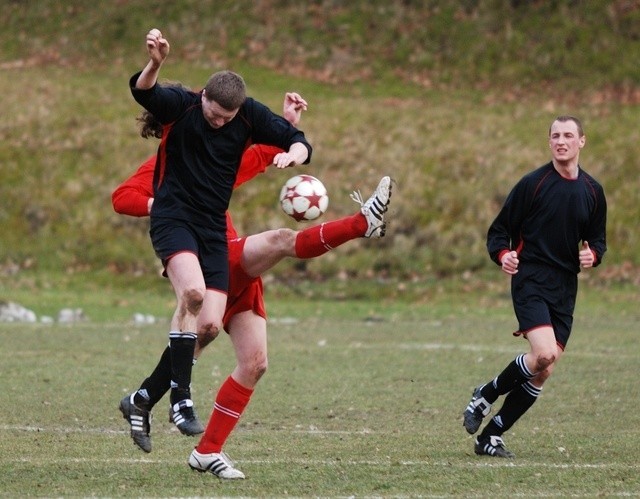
{"points": [[296, 155], [258, 157], [134, 196], [292, 109], [158, 49]]}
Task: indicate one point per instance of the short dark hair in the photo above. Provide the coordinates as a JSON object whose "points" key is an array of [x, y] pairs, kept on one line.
{"points": [[564, 118], [227, 89]]}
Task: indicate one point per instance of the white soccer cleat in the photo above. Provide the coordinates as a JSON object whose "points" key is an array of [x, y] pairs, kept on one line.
{"points": [[375, 207], [218, 464]]}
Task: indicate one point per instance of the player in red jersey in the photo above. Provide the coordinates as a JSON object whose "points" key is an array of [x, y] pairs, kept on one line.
{"points": [[245, 314]]}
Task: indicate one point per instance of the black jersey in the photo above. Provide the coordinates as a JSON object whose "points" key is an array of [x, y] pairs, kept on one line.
{"points": [[196, 164], [546, 217]]}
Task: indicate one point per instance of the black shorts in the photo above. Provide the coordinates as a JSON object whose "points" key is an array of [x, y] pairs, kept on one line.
{"points": [[170, 237], [544, 296]]}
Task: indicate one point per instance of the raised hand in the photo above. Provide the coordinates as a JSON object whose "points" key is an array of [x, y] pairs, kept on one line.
{"points": [[157, 46], [292, 107]]}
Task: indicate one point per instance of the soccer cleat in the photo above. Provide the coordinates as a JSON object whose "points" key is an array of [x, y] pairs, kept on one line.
{"points": [[139, 422], [218, 464], [492, 446], [375, 207], [183, 415], [477, 409]]}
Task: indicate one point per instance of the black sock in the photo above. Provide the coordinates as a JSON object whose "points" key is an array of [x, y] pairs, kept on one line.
{"points": [[518, 402], [513, 375], [157, 384], [182, 349]]}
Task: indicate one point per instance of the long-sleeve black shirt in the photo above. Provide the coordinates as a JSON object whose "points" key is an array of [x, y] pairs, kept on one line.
{"points": [[197, 164], [546, 217]]}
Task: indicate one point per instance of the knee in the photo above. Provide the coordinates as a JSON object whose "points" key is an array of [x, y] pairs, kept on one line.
{"points": [[257, 368], [206, 334], [544, 360], [543, 375], [193, 299], [260, 369], [284, 239]]}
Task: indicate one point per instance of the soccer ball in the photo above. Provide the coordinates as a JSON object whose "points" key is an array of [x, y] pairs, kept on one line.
{"points": [[304, 197]]}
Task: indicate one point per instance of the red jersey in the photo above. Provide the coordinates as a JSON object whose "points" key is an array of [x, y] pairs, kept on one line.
{"points": [[132, 196]]}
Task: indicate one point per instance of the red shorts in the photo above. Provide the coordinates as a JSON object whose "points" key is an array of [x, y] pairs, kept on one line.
{"points": [[245, 292]]}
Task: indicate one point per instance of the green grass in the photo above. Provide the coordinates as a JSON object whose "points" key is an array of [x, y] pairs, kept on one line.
{"points": [[359, 400], [364, 392]]}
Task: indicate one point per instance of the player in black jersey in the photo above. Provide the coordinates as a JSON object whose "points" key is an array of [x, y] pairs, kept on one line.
{"points": [[552, 224], [204, 137]]}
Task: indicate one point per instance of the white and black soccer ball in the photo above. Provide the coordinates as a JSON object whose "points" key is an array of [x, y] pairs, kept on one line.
{"points": [[304, 197]]}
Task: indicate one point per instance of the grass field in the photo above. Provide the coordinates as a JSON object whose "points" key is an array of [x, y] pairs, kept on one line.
{"points": [[363, 398], [360, 400]]}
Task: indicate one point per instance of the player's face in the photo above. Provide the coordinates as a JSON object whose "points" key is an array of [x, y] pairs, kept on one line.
{"points": [[565, 141], [215, 114]]}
